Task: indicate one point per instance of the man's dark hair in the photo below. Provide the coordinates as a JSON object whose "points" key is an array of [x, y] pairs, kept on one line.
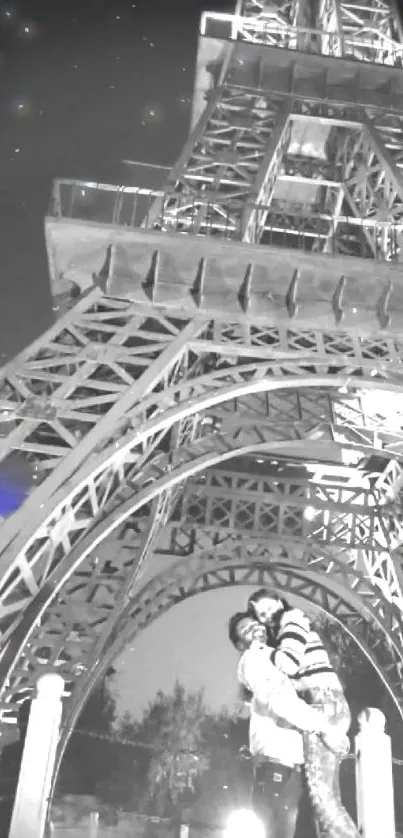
{"points": [[233, 626]]}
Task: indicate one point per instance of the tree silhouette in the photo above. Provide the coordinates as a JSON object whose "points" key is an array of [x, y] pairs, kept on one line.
{"points": [[227, 783], [360, 680], [173, 724], [191, 757]]}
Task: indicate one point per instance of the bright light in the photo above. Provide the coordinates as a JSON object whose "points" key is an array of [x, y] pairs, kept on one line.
{"points": [[309, 513], [350, 457], [384, 404], [243, 823], [50, 686]]}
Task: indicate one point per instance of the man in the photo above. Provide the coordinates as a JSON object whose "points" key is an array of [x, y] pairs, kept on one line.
{"points": [[300, 654], [278, 717]]}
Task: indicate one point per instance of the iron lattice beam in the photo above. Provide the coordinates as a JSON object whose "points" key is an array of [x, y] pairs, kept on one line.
{"points": [[250, 174], [369, 31], [224, 402], [80, 584], [79, 505]]}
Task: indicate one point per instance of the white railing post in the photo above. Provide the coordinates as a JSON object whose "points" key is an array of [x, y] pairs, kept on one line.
{"points": [[374, 777], [94, 824], [38, 758]]}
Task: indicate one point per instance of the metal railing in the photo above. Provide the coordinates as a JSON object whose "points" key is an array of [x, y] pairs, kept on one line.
{"points": [[309, 230], [377, 48]]}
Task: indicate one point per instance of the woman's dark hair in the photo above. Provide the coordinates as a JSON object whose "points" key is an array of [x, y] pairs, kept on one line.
{"points": [[233, 626], [266, 593], [269, 593]]}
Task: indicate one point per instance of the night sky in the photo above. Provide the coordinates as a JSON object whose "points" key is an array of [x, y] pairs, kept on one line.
{"points": [[85, 85]]}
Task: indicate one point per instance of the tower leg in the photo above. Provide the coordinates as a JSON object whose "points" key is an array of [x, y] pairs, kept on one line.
{"points": [[34, 782]]}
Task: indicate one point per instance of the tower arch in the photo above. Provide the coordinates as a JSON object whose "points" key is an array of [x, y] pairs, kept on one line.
{"points": [[343, 595], [351, 521]]}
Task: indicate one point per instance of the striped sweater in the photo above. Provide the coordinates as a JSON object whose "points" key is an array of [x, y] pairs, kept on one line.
{"points": [[301, 654]]}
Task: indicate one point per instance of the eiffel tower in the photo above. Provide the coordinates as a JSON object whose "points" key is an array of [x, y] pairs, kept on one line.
{"points": [[220, 399]]}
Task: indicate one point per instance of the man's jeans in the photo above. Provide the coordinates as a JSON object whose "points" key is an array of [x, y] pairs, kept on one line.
{"points": [[276, 796]]}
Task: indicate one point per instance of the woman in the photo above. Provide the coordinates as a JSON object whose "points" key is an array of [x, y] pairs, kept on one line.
{"points": [[301, 655]]}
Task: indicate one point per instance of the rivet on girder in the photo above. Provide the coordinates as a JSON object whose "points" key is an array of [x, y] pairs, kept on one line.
{"points": [[337, 299], [150, 283], [245, 289], [382, 307], [197, 290], [291, 296]]}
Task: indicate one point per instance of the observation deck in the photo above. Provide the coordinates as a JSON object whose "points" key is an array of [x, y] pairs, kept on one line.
{"points": [[98, 234], [297, 248]]}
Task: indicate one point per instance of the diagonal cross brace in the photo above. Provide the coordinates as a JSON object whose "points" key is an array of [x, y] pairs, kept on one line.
{"points": [[30, 510], [254, 217], [388, 164]]}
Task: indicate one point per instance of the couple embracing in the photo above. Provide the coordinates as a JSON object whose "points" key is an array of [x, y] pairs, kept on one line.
{"points": [[299, 719]]}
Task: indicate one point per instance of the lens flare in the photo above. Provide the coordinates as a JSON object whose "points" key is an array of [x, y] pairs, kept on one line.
{"points": [[243, 823]]}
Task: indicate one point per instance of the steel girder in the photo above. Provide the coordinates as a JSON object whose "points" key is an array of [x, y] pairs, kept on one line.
{"points": [[263, 121], [216, 379], [76, 593], [274, 506], [367, 31], [74, 389], [325, 583], [187, 398], [248, 177]]}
